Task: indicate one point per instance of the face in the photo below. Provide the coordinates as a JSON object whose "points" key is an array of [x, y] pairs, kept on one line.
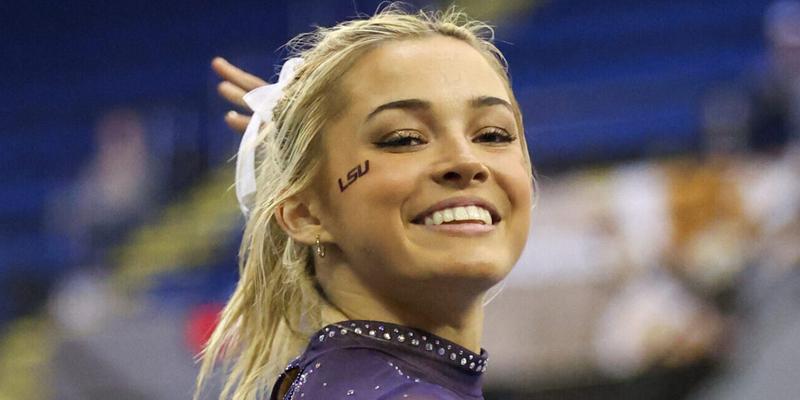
{"points": [[424, 177]]}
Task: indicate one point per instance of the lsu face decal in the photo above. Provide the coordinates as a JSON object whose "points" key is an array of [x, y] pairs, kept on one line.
{"points": [[354, 174]]}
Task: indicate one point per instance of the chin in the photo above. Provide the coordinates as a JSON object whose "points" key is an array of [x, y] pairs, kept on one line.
{"points": [[481, 271]]}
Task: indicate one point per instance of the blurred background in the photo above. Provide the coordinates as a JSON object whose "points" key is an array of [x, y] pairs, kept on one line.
{"points": [[663, 260]]}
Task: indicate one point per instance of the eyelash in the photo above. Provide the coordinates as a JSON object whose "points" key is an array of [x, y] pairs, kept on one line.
{"points": [[497, 133], [402, 138]]}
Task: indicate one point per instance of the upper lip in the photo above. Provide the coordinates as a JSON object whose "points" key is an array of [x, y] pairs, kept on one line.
{"points": [[459, 202]]}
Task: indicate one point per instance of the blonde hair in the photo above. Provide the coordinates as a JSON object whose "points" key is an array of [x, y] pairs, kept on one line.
{"points": [[277, 303]]}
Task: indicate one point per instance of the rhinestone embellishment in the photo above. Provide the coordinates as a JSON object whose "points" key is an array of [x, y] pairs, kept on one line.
{"points": [[450, 352]]}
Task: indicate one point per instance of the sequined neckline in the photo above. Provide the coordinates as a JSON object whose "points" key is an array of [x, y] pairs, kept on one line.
{"points": [[415, 340]]}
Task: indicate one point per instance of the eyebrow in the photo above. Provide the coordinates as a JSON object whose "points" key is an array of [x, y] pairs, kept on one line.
{"points": [[419, 104], [407, 104], [487, 101]]}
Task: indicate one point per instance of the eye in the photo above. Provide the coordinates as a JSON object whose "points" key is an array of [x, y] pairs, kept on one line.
{"points": [[495, 136], [402, 139]]}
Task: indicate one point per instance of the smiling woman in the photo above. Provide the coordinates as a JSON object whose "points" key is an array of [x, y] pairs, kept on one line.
{"points": [[393, 190]]}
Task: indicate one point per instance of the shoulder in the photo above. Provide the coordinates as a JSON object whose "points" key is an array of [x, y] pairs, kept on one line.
{"points": [[362, 374]]}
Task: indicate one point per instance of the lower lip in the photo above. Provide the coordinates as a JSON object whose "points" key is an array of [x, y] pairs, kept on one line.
{"points": [[460, 229]]}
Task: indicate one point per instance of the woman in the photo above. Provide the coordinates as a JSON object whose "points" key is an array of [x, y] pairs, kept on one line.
{"points": [[393, 189]]}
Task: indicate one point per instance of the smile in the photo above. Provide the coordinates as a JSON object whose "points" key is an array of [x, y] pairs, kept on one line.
{"points": [[459, 212], [460, 215]]}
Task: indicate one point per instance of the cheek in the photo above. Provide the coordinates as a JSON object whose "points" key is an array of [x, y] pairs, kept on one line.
{"points": [[367, 220], [514, 179], [375, 197]]}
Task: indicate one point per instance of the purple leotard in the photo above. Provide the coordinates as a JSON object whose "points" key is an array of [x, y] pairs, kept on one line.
{"points": [[372, 360]]}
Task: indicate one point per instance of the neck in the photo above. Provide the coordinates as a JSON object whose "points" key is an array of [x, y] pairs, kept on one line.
{"points": [[453, 313]]}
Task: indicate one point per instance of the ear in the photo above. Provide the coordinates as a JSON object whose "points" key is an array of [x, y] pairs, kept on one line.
{"points": [[296, 219]]}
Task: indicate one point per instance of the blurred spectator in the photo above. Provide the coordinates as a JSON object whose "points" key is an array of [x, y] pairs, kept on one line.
{"points": [[114, 191], [776, 101], [663, 314], [764, 114], [655, 322], [710, 231]]}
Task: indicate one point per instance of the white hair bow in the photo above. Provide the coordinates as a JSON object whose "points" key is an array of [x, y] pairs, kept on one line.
{"points": [[261, 100]]}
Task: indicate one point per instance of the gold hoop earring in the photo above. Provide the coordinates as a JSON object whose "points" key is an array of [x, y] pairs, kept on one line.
{"points": [[320, 248]]}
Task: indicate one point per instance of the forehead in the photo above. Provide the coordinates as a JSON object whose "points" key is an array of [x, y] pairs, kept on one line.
{"points": [[436, 68]]}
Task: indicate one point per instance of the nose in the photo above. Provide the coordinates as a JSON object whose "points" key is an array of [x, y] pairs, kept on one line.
{"points": [[461, 170]]}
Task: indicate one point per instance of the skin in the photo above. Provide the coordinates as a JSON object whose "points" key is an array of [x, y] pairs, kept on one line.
{"points": [[235, 83], [379, 264]]}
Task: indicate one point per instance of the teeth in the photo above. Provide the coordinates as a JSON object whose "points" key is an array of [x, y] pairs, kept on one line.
{"points": [[473, 213], [485, 215], [448, 215], [468, 213]]}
